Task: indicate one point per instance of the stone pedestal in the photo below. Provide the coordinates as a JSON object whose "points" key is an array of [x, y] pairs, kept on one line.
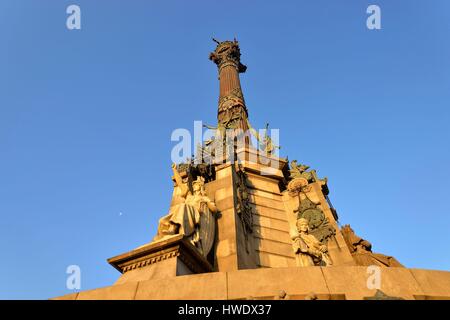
{"points": [[259, 199], [298, 283], [173, 256]]}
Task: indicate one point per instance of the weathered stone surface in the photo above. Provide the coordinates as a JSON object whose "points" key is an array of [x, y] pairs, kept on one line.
{"points": [[208, 286], [226, 248], [270, 281], [223, 173], [263, 183], [272, 234], [352, 281], [70, 296], [126, 291], [275, 247], [266, 194], [266, 202], [433, 283], [269, 260], [224, 193], [271, 223], [163, 269], [269, 212], [297, 282]]}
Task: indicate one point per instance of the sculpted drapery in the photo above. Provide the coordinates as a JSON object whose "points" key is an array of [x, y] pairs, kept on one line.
{"points": [[191, 215], [308, 250]]}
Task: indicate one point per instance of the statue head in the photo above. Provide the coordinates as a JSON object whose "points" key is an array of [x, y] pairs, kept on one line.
{"points": [[303, 225], [198, 186]]}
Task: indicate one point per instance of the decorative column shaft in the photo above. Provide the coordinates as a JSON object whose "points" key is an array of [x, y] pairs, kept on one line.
{"points": [[232, 112]]}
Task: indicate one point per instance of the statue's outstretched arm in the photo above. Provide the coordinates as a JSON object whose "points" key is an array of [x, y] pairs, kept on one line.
{"points": [[183, 187], [253, 131], [209, 127]]}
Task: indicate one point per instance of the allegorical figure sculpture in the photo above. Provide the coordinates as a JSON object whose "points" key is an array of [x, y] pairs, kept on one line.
{"points": [[301, 186], [308, 250], [300, 171], [192, 215], [265, 142], [361, 251]]}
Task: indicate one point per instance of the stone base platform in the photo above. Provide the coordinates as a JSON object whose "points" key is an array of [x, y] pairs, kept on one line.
{"points": [[329, 283], [166, 258]]}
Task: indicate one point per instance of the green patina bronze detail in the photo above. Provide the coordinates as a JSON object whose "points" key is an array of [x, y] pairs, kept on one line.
{"points": [[319, 225], [299, 171]]}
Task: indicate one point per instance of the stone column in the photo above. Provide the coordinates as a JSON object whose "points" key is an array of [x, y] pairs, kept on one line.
{"points": [[232, 112]]}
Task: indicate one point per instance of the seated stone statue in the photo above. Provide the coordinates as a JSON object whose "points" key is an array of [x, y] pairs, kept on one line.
{"points": [[361, 251], [192, 215], [308, 250]]}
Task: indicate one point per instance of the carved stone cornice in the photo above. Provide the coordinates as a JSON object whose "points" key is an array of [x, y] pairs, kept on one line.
{"points": [[174, 247]]}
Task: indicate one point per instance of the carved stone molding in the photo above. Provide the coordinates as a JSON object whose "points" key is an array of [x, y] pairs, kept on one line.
{"points": [[174, 247]]}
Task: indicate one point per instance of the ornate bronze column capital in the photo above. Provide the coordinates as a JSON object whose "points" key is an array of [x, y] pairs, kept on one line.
{"points": [[227, 53]]}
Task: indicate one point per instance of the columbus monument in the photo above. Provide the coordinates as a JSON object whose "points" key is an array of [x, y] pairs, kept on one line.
{"points": [[244, 223]]}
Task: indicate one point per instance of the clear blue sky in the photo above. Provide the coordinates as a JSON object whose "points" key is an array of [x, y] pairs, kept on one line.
{"points": [[86, 118]]}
